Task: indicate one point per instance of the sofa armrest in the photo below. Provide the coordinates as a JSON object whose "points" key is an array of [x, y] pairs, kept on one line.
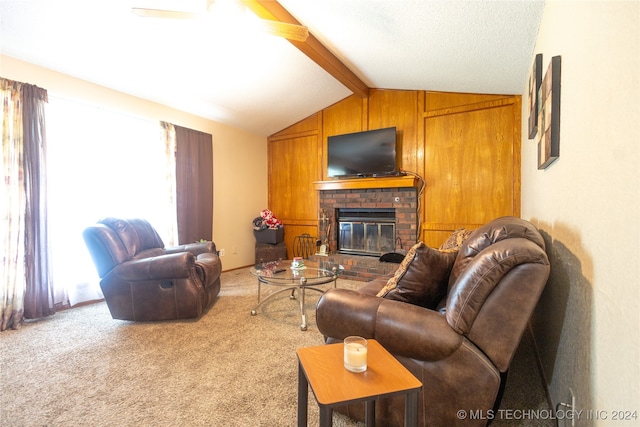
{"points": [[403, 329], [170, 266], [344, 312], [194, 248]]}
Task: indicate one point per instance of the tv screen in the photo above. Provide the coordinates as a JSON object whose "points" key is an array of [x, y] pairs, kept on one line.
{"points": [[368, 153]]}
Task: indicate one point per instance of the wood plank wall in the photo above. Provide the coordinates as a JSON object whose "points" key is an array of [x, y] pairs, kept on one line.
{"points": [[466, 147]]}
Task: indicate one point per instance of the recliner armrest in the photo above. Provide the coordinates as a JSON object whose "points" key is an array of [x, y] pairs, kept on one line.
{"points": [[194, 248], [403, 329], [170, 266], [208, 268]]}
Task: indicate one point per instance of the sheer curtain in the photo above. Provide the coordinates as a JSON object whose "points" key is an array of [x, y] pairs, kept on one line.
{"points": [[169, 139], [25, 290], [102, 163]]}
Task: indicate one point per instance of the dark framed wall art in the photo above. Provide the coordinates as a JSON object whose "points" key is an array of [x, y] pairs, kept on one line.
{"points": [[549, 115], [535, 80]]}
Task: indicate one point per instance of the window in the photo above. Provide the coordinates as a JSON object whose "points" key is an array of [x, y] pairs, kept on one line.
{"points": [[101, 163]]}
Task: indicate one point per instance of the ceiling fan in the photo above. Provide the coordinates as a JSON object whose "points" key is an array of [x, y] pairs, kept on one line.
{"points": [[230, 9]]}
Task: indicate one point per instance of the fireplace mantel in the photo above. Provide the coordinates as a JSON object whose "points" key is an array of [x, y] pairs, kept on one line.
{"points": [[363, 183]]}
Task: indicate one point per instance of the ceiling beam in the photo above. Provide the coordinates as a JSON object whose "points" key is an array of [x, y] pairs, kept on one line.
{"points": [[316, 51]]}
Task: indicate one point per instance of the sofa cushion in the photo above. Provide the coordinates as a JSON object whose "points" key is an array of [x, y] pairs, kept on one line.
{"points": [[148, 253], [375, 285], [421, 278]]}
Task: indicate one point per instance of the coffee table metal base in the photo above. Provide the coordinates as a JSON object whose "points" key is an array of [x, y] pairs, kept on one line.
{"points": [[301, 288]]}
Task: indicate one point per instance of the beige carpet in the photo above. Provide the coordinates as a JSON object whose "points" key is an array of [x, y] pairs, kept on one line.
{"points": [[80, 367]]}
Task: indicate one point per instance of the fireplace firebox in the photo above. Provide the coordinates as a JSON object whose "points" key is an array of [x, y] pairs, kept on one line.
{"points": [[366, 231]]}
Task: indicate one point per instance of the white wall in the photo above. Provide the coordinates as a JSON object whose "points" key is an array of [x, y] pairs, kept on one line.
{"points": [[587, 204], [239, 157]]}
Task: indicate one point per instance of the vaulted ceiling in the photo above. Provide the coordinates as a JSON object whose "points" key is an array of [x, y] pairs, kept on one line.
{"points": [[263, 83]]}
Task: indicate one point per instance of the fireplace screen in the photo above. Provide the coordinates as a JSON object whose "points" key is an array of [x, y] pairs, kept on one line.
{"points": [[370, 232]]}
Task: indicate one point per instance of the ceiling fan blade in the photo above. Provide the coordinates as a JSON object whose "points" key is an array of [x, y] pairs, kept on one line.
{"points": [[292, 32], [161, 13]]}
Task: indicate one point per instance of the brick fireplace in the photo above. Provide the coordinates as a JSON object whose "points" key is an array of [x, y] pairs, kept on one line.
{"points": [[400, 197]]}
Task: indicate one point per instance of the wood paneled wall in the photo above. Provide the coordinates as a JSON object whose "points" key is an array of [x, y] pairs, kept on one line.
{"points": [[466, 147], [295, 159], [472, 161]]}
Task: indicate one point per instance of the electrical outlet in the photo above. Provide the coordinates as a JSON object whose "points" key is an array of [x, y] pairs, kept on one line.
{"points": [[234, 250], [573, 407], [222, 252], [568, 408]]}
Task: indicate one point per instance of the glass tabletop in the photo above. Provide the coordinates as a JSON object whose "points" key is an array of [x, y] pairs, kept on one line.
{"points": [[282, 271]]}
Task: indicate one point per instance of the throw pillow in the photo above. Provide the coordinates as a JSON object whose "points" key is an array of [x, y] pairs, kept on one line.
{"points": [[391, 283], [422, 277], [455, 241]]}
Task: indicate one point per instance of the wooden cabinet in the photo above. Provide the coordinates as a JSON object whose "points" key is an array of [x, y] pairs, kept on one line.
{"points": [[465, 146]]}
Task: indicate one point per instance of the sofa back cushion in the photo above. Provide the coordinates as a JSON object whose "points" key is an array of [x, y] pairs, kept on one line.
{"points": [[113, 241], [136, 234], [483, 274], [507, 227], [495, 284]]}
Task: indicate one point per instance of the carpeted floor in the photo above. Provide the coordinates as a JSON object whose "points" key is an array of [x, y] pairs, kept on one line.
{"points": [[226, 369]]}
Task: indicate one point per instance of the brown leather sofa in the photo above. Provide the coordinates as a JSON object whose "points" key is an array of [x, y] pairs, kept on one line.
{"points": [[144, 281], [461, 346]]}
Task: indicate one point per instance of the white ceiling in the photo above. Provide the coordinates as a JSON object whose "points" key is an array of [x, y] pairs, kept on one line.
{"points": [[263, 83]]}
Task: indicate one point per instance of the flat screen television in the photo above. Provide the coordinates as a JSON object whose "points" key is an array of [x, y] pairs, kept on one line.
{"points": [[368, 153]]}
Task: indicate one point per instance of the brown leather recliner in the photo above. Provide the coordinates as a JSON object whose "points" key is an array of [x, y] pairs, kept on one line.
{"points": [[144, 281], [462, 348]]}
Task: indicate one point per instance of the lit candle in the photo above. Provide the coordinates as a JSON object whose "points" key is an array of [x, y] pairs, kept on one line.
{"points": [[355, 354]]}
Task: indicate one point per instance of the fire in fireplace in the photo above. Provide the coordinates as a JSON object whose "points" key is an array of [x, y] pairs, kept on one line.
{"points": [[363, 231]]}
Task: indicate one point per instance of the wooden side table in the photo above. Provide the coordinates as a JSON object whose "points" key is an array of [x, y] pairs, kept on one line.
{"points": [[322, 368]]}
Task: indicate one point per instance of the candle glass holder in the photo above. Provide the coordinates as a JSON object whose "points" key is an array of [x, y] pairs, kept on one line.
{"points": [[355, 354]]}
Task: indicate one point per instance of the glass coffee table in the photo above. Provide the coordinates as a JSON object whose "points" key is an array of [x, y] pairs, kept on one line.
{"points": [[281, 273]]}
